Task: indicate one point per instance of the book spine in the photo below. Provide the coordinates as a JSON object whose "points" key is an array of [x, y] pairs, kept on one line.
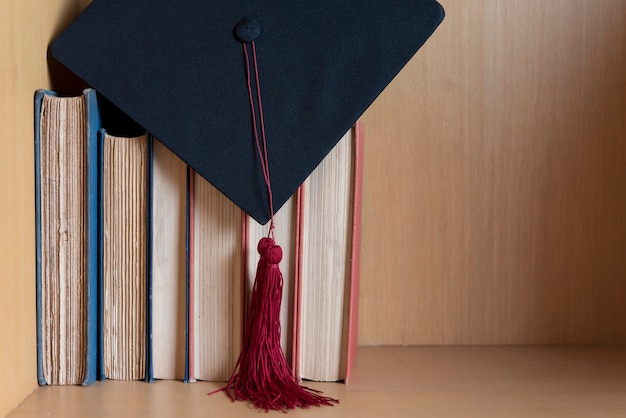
{"points": [[93, 126], [39, 94], [190, 375], [245, 254], [297, 283], [355, 265], [149, 374], [101, 375]]}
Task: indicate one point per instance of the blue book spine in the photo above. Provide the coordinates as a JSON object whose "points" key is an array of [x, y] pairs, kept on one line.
{"points": [[39, 94], [149, 358], [93, 126], [100, 312]]}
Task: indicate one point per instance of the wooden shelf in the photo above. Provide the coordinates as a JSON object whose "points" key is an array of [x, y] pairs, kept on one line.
{"points": [[452, 381]]}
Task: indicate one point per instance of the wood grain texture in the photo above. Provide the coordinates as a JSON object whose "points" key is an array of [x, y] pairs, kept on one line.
{"points": [[494, 191], [27, 27]]}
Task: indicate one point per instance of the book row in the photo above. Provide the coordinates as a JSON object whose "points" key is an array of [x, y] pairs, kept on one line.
{"points": [[144, 269]]}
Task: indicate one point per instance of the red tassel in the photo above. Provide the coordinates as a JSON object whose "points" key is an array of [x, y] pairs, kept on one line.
{"points": [[262, 374]]}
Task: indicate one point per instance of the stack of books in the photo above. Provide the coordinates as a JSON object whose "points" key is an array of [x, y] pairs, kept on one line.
{"points": [[144, 269]]}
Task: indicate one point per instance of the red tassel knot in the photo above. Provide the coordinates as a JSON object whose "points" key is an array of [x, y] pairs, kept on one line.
{"points": [[262, 374]]}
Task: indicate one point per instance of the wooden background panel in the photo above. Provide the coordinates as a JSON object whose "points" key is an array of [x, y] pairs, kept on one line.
{"points": [[495, 180], [26, 29]]}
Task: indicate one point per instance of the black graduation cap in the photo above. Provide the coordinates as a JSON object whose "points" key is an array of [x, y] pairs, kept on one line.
{"points": [[178, 69]]}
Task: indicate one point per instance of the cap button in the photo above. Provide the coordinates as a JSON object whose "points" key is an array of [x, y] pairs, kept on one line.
{"points": [[247, 30]]}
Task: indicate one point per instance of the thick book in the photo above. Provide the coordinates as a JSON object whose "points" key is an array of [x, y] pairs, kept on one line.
{"points": [[215, 275], [124, 256], [222, 256], [167, 276], [319, 231], [328, 264], [66, 207]]}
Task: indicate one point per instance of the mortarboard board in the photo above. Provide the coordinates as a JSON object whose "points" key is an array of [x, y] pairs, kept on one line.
{"points": [[177, 69]]}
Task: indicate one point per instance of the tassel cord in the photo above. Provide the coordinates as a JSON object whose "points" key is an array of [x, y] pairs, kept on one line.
{"points": [[262, 152]]}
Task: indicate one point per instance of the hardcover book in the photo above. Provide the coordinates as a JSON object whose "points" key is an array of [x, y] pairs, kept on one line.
{"points": [[66, 207]]}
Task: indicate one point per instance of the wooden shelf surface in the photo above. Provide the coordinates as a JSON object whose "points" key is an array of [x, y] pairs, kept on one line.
{"points": [[427, 381]]}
